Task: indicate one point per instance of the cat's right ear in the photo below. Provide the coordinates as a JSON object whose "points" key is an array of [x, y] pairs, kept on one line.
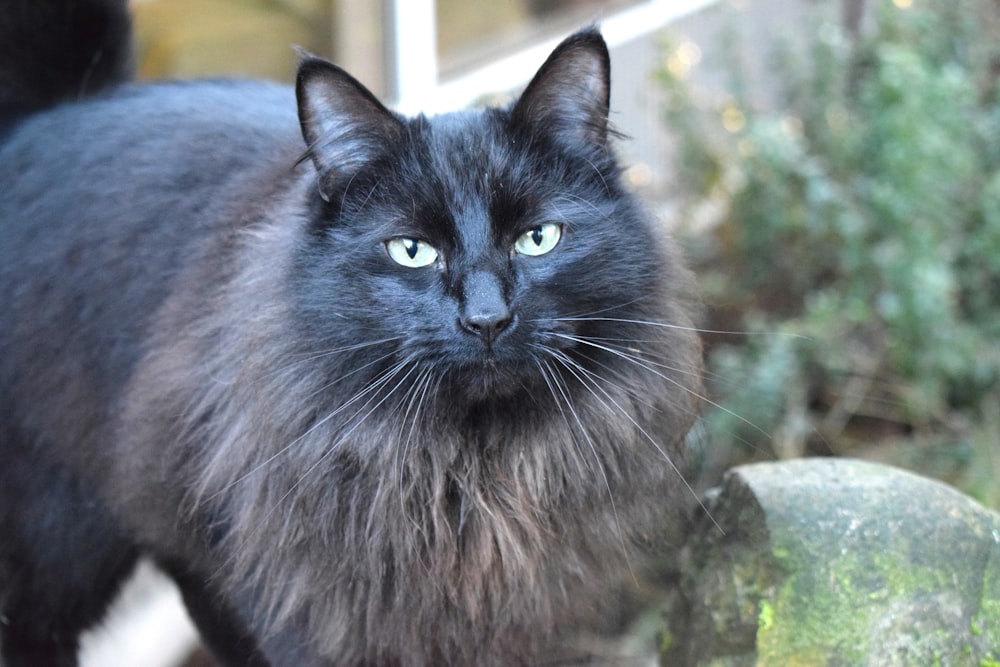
{"points": [[343, 123], [570, 95]]}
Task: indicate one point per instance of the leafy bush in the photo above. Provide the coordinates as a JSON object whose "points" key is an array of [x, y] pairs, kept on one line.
{"points": [[857, 225]]}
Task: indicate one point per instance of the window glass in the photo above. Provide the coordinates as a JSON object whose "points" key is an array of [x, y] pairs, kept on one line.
{"points": [[471, 32]]}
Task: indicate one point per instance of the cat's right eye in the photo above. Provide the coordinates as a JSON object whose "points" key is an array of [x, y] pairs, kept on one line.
{"points": [[411, 253], [539, 240]]}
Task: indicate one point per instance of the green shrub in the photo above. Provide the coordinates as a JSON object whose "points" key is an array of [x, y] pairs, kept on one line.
{"points": [[857, 226]]}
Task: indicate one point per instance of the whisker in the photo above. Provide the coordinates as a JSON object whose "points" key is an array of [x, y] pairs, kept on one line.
{"points": [[343, 200], [582, 375], [417, 395], [679, 327], [627, 354], [385, 378], [553, 383], [355, 371], [625, 390], [591, 313], [649, 366], [368, 197], [600, 175], [373, 386], [570, 197], [347, 348], [652, 341]]}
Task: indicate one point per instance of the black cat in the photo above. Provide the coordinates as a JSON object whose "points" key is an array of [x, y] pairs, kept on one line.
{"points": [[412, 391]]}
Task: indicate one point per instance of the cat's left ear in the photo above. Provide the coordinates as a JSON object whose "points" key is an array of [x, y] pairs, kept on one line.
{"points": [[343, 123], [570, 94]]}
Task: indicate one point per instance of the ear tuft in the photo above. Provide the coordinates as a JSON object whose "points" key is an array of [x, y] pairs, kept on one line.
{"points": [[570, 94], [343, 123]]}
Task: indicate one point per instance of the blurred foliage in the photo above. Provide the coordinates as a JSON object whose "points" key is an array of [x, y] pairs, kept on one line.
{"points": [[854, 223]]}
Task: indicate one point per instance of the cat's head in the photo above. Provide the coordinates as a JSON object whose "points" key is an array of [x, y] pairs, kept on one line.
{"points": [[496, 247]]}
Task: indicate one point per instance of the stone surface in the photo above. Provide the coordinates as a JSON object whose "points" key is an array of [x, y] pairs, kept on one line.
{"points": [[837, 562]]}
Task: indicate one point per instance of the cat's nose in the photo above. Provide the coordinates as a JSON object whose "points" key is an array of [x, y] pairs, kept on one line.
{"points": [[487, 325], [485, 312]]}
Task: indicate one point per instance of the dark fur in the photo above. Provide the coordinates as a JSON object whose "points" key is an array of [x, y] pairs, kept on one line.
{"points": [[207, 357], [86, 48]]}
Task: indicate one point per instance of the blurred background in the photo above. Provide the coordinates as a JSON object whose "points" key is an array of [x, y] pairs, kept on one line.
{"points": [[419, 55], [831, 166]]}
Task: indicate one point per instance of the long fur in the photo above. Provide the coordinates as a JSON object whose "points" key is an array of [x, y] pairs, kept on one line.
{"points": [[205, 333]]}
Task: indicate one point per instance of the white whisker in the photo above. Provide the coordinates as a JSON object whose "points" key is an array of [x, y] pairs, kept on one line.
{"points": [[604, 181], [627, 354], [583, 375], [569, 197], [348, 348], [374, 386], [551, 379], [417, 395], [355, 371], [679, 327], [649, 366]]}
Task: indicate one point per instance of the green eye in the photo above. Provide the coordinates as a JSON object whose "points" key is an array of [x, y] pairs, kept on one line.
{"points": [[411, 253], [539, 240]]}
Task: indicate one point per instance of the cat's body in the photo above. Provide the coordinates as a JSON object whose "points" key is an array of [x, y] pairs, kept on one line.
{"points": [[415, 399]]}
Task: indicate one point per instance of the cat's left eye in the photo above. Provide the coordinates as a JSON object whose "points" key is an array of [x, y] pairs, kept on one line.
{"points": [[411, 253], [539, 240]]}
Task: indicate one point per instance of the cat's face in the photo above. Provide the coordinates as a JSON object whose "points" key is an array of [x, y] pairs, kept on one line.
{"points": [[480, 244]]}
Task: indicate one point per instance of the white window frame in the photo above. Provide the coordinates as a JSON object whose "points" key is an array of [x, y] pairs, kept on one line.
{"points": [[415, 70]]}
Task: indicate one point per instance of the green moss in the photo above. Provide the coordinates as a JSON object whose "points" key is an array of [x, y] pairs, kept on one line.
{"points": [[988, 618], [870, 581], [766, 617], [666, 642], [828, 603]]}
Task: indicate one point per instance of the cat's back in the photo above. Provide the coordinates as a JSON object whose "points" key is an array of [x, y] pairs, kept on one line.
{"points": [[104, 202], [139, 173], [138, 137]]}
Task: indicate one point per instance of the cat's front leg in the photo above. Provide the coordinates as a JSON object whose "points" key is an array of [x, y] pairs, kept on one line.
{"points": [[63, 559], [221, 629]]}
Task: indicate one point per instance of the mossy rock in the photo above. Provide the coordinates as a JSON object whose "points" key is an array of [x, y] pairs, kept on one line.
{"points": [[837, 562]]}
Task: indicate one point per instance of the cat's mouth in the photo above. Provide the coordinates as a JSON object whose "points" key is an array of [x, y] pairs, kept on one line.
{"points": [[490, 378]]}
